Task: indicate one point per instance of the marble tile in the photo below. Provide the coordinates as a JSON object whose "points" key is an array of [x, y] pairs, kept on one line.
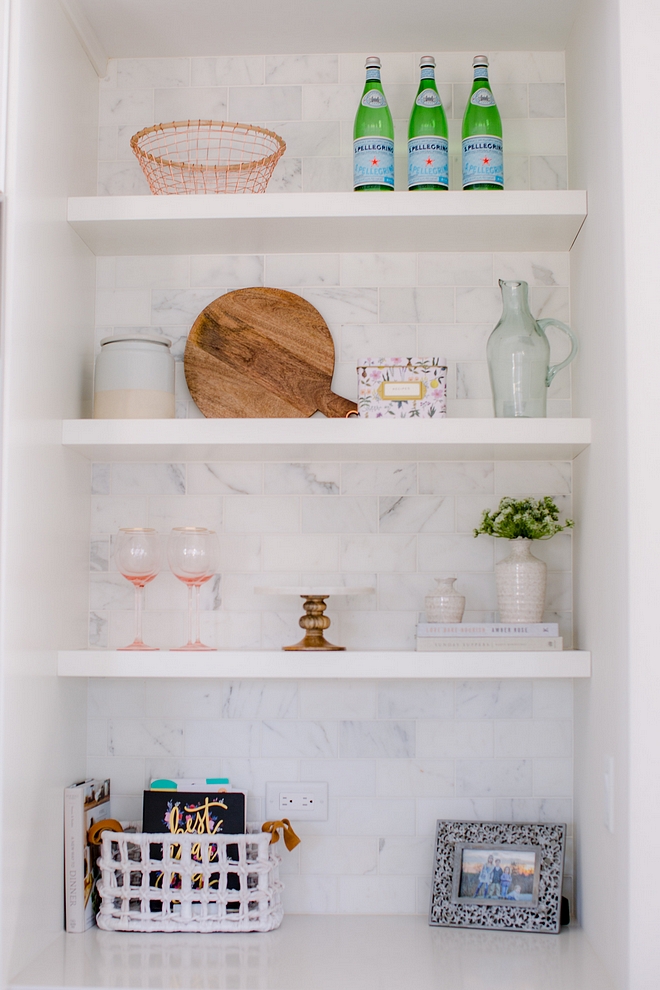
{"points": [[287, 177], [346, 603], [532, 477], [415, 778], [470, 509], [291, 69], [534, 737], [446, 739], [468, 809], [310, 895], [472, 380], [161, 629], [527, 67], [184, 699], [339, 855], [516, 172], [416, 514], [240, 552], [455, 477], [327, 175], [559, 594], [148, 479], [239, 592], [228, 70], [262, 514], [535, 136], [379, 269], [301, 479], [345, 778], [548, 172], [403, 592], [454, 343], [427, 304], [383, 552], [110, 514], [208, 737], [551, 302], [127, 774], [98, 629], [110, 697], [468, 268], [309, 138], [224, 478], [480, 595], [299, 739], [379, 478], [553, 699], [265, 103], [375, 630], [259, 699], [99, 551], [454, 552], [339, 514], [538, 269], [302, 269], [107, 144], [534, 809], [406, 856], [376, 340], [377, 895], [376, 816], [300, 551], [398, 67], [166, 513], [553, 778], [547, 100], [493, 699], [478, 305], [121, 179], [149, 272], [230, 631], [416, 699], [97, 737], [376, 740], [494, 778], [237, 270], [337, 699], [172, 307], [331, 101], [145, 737], [511, 99], [152, 73], [131, 107], [105, 273], [279, 629], [191, 103], [344, 304], [122, 307]]}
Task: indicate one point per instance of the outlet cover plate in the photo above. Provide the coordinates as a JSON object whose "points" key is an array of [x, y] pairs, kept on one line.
{"points": [[299, 802]]}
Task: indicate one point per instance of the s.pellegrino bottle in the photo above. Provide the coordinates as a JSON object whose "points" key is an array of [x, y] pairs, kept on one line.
{"points": [[428, 148], [482, 134], [373, 136]]}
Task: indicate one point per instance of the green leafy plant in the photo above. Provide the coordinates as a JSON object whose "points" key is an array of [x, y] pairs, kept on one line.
{"points": [[527, 519]]}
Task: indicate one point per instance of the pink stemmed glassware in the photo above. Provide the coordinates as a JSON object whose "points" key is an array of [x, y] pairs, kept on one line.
{"points": [[193, 554], [138, 555]]}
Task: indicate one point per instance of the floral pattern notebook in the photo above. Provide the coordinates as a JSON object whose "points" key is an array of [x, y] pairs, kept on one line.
{"points": [[402, 387]]}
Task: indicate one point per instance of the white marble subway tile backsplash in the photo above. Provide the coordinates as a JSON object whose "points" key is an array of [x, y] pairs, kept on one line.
{"points": [[311, 101]]}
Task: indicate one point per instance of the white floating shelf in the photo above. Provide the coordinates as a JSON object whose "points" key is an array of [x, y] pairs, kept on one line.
{"points": [[293, 222], [326, 439], [352, 664]]}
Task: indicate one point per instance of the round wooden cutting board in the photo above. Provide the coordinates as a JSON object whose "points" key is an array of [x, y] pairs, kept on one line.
{"points": [[262, 353]]}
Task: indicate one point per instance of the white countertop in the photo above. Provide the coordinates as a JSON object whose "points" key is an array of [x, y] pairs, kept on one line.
{"points": [[322, 952]]}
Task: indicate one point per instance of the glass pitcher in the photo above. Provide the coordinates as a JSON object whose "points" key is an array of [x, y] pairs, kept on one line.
{"points": [[518, 355]]}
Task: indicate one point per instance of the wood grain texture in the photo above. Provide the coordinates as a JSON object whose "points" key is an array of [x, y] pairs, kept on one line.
{"points": [[262, 352]]}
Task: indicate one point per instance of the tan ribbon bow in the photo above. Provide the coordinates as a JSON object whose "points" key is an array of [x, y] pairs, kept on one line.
{"points": [[291, 840]]}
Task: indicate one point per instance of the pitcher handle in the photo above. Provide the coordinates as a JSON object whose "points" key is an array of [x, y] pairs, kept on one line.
{"points": [[554, 368]]}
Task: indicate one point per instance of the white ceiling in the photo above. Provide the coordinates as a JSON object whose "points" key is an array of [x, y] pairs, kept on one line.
{"points": [[151, 28]]}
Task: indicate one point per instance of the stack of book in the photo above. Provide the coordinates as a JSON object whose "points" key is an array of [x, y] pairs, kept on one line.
{"points": [[475, 636]]}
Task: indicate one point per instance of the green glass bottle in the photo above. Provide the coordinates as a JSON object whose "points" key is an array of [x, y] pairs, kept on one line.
{"points": [[428, 148], [482, 134], [373, 136]]}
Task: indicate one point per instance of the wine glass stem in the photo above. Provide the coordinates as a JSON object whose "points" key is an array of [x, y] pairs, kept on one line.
{"points": [[197, 630], [190, 613], [138, 612]]}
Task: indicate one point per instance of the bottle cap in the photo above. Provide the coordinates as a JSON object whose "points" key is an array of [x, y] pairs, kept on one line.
{"points": [[480, 60], [426, 60], [373, 62]]}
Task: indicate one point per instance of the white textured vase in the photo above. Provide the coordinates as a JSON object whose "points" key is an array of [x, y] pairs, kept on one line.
{"points": [[521, 580], [444, 604]]}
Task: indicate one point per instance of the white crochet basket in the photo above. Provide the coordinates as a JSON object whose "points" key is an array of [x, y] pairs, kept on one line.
{"points": [[179, 883]]}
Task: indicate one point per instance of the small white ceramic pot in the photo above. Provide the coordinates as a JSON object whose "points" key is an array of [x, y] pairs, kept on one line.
{"points": [[444, 604], [134, 378], [521, 581]]}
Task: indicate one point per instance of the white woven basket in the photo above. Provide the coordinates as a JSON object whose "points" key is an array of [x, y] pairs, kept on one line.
{"points": [[186, 890]]}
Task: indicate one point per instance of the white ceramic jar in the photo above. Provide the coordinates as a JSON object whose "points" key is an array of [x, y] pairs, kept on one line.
{"points": [[444, 604], [134, 378]]}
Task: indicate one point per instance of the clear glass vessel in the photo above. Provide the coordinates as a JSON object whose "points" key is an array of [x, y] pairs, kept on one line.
{"points": [[373, 136], [138, 556], [518, 355], [193, 554]]}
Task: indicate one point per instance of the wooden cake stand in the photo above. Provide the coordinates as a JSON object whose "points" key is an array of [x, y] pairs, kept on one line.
{"points": [[314, 621]]}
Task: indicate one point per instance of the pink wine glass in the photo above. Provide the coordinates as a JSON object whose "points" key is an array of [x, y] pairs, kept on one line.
{"points": [[193, 555], [138, 555]]}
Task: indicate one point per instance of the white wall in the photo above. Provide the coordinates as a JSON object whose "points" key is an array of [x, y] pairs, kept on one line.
{"points": [[48, 309]]}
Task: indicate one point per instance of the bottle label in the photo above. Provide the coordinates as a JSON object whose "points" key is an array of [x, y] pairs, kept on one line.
{"points": [[374, 99], [428, 98], [373, 162], [373, 73], [428, 162], [481, 72], [483, 98], [428, 72], [483, 161]]}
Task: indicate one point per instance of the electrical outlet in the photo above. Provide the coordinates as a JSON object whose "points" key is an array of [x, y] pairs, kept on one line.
{"points": [[299, 802]]}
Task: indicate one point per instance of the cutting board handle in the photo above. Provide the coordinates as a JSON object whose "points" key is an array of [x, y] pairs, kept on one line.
{"points": [[335, 406]]}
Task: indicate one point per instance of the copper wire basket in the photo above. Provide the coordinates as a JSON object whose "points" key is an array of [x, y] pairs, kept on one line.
{"points": [[207, 156]]}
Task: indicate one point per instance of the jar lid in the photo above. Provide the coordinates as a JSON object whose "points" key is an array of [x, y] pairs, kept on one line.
{"points": [[152, 338]]}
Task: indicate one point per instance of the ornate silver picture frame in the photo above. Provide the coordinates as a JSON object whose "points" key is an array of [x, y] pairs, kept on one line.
{"points": [[502, 875]]}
